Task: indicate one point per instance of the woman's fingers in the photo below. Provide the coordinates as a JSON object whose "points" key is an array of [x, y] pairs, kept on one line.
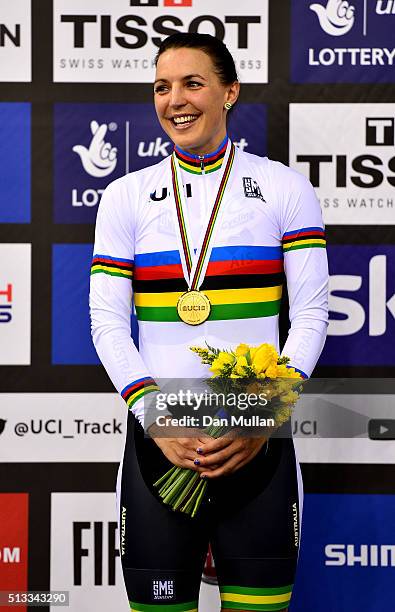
{"points": [[220, 456], [215, 444], [228, 467]]}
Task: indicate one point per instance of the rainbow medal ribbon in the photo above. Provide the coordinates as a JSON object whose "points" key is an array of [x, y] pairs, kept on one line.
{"points": [[193, 306]]}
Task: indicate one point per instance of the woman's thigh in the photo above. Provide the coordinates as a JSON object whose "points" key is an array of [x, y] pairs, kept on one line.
{"points": [[255, 540], [162, 552]]}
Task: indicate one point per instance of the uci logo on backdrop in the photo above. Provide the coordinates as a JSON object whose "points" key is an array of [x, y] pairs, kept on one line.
{"points": [[116, 42], [94, 144], [336, 41]]}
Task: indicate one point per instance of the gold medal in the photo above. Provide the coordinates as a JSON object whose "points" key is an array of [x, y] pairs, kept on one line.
{"points": [[193, 307]]}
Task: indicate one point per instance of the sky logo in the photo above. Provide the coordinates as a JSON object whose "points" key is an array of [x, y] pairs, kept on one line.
{"points": [[362, 306], [15, 164], [346, 41], [98, 143]]}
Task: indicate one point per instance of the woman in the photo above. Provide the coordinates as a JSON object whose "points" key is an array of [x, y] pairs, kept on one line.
{"points": [[150, 238]]}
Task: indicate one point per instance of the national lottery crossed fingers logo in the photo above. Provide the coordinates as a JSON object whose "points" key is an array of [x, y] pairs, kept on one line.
{"points": [[336, 41]]}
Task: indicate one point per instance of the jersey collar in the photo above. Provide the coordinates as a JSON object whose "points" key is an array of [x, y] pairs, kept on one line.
{"points": [[197, 164]]}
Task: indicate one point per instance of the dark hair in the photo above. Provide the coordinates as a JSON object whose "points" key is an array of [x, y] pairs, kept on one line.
{"points": [[221, 57]]}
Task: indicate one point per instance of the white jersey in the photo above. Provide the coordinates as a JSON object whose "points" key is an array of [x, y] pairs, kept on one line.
{"points": [[270, 230]]}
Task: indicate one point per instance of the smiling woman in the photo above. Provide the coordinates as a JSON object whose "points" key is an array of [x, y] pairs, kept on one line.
{"points": [[190, 100], [233, 274]]}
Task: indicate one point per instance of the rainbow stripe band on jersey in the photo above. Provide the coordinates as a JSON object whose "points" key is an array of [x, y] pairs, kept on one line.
{"points": [[250, 598], [114, 266], [133, 392], [193, 163], [240, 281], [304, 238]]}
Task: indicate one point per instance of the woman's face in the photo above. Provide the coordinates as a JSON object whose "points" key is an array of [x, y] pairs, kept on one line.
{"points": [[189, 100]]}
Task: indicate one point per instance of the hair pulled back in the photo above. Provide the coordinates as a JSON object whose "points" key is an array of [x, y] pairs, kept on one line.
{"points": [[221, 57]]}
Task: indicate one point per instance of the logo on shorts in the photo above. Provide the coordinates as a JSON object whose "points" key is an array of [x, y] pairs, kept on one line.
{"points": [[123, 530], [252, 189], [295, 524], [163, 589]]}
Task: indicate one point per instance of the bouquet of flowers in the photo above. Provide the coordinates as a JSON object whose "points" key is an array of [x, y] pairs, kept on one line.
{"points": [[249, 370]]}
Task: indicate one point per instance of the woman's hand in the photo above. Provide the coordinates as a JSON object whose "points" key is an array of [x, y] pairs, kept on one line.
{"points": [[180, 445], [228, 454]]}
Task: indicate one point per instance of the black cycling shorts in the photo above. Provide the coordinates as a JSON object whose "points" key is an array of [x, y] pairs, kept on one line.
{"points": [[250, 517]]}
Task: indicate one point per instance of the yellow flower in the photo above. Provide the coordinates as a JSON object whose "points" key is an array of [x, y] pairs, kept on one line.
{"points": [[283, 415], [271, 371], [285, 372], [241, 363], [242, 349], [265, 356], [289, 398], [222, 363]]}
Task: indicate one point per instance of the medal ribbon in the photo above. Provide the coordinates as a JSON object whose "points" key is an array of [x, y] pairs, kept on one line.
{"points": [[182, 223]]}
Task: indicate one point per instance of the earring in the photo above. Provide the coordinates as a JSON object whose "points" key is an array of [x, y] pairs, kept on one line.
{"points": [[228, 105]]}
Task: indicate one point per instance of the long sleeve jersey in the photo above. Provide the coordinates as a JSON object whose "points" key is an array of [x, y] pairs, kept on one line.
{"points": [[270, 231]]}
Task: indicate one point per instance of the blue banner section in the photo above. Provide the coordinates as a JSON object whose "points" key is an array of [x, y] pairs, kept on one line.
{"points": [[96, 143], [362, 306], [347, 556], [343, 42], [15, 154], [71, 336]]}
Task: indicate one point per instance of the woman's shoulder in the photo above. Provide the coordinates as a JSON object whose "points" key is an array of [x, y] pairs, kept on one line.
{"points": [[280, 173]]}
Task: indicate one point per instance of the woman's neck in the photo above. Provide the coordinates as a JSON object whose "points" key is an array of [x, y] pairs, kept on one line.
{"points": [[204, 152]]}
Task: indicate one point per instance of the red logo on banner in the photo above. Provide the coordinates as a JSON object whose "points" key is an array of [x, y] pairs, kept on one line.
{"points": [[13, 543], [177, 3]]}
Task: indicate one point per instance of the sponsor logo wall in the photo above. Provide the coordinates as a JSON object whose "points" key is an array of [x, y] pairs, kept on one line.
{"points": [[95, 44], [14, 512], [362, 306], [76, 114], [347, 547], [15, 291], [343, 42], [85, 551], [347, 152], [15, 41], [15, 162], [62, 427], [97, 143]]}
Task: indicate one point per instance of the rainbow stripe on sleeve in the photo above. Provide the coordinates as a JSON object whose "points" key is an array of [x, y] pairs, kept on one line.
{"points": [[114, 266], [304, 238], [137, 389]]}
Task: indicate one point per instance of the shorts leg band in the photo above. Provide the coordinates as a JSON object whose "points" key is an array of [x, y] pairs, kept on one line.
{"points": [[250, 598], [189, 606]]}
